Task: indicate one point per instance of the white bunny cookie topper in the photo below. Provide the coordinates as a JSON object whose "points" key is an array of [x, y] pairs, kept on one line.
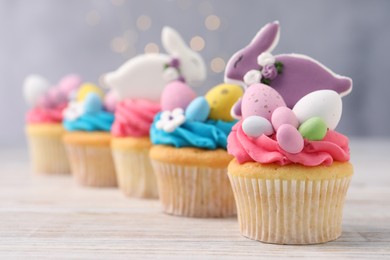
{"points": [[292, 75], [143, 75]]}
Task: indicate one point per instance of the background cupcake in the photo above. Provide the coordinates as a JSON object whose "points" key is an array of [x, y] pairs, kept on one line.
{"points": [[44, 122], [139, 84], [87, 139], [189, 153], [291, 172], [130, 147]]}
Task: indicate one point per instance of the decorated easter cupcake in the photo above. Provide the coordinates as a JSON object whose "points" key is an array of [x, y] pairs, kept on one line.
{"points": [[139, 84], [88, 138], [130, 147], [44, 122], [291, 169], [189, 153]]}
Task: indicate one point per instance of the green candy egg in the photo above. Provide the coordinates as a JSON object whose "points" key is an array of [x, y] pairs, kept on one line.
{"points": [[313, 129]]}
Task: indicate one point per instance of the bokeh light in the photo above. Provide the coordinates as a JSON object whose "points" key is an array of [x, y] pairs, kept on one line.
{"points": [[92, 18], [197, 43], [151, 47], [118, 45], [212, 22], [217, 65], [144, 22]]}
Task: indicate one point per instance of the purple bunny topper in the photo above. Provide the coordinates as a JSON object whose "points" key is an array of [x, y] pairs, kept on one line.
{"points": [[301, 74]]}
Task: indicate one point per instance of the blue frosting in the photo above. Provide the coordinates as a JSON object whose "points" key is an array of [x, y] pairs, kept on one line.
{"points": [[97, 121], [210, 134]]}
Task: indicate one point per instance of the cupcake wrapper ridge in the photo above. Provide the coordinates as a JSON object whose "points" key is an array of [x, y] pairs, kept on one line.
{"points": [[194, 191], [92, 165], [290, 211]]}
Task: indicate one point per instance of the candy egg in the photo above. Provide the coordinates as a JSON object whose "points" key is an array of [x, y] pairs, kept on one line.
{"points": [[255, 126], [325, 104], [313, 129], [289, 139], [69, 83], [221, 99], [87, 88], [283, 115], [198, 110], [92, 103], [110, 100], [176, 94], [260, 100]]}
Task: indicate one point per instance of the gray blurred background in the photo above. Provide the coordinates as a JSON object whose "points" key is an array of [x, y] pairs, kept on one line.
{"points": [[54, 38]]}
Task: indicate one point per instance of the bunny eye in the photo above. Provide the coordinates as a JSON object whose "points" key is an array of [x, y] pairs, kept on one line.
{"points": [[238, 61]]}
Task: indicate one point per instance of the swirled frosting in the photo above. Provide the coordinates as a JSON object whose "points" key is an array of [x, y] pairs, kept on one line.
{"points": [[133, 117], [264, 149], [98, 121], [211, 134], [40, 115]]}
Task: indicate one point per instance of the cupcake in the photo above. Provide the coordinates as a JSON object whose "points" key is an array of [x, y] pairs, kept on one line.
{"points": [[189, 150], [138, 84], [291, 169], [44, 122], [88, 138], [130, 147]]}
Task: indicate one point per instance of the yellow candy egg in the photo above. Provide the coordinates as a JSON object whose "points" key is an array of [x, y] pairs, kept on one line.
{"points": [[221, 99], [87, 88]]}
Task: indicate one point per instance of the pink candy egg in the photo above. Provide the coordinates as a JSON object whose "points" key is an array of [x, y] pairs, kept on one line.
{"points": [[69, 83], [289, 139], [260, 100], [176, 94], [110, 101], [284, 115]]}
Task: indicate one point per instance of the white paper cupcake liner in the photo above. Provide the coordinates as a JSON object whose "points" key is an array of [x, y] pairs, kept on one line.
{"points": [[92, 165], [48, 154], [290, 211], [135, 173], [194, 191]]}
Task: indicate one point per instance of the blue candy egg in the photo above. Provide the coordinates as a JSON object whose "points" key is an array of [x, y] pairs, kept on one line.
{"points": [[92, 103], [198, 110]]}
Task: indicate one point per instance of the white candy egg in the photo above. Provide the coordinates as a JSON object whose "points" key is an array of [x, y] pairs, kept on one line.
{"points": [[34, 87], [255, 126], [325, 104]]}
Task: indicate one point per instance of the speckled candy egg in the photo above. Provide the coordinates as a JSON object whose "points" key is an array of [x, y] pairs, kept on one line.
{"points": [[176, 94], [221, 98], [260, 100], [325, 104]]}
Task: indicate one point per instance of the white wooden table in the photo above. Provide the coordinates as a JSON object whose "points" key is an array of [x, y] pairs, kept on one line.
{"points": [[51, 217]]}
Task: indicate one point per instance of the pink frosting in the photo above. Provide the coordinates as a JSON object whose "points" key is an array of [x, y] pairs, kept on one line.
{"points": [[133, 117], [39, 115], [264, 149]]}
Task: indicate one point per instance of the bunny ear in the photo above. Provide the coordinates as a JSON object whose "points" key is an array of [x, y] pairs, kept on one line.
{"points": [[265, 40], [172, 41], [246, 59]]}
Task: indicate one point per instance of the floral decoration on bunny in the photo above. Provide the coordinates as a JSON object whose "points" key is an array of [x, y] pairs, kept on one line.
{"points": [[144, 77]]}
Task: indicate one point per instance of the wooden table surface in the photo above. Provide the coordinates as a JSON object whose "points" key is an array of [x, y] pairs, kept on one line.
{"points": [[52, 217]]}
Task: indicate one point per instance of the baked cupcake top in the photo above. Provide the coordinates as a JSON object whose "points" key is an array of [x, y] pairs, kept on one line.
{"points": [[190, 121], [290, 108], [86, 112], [47, 101]]}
